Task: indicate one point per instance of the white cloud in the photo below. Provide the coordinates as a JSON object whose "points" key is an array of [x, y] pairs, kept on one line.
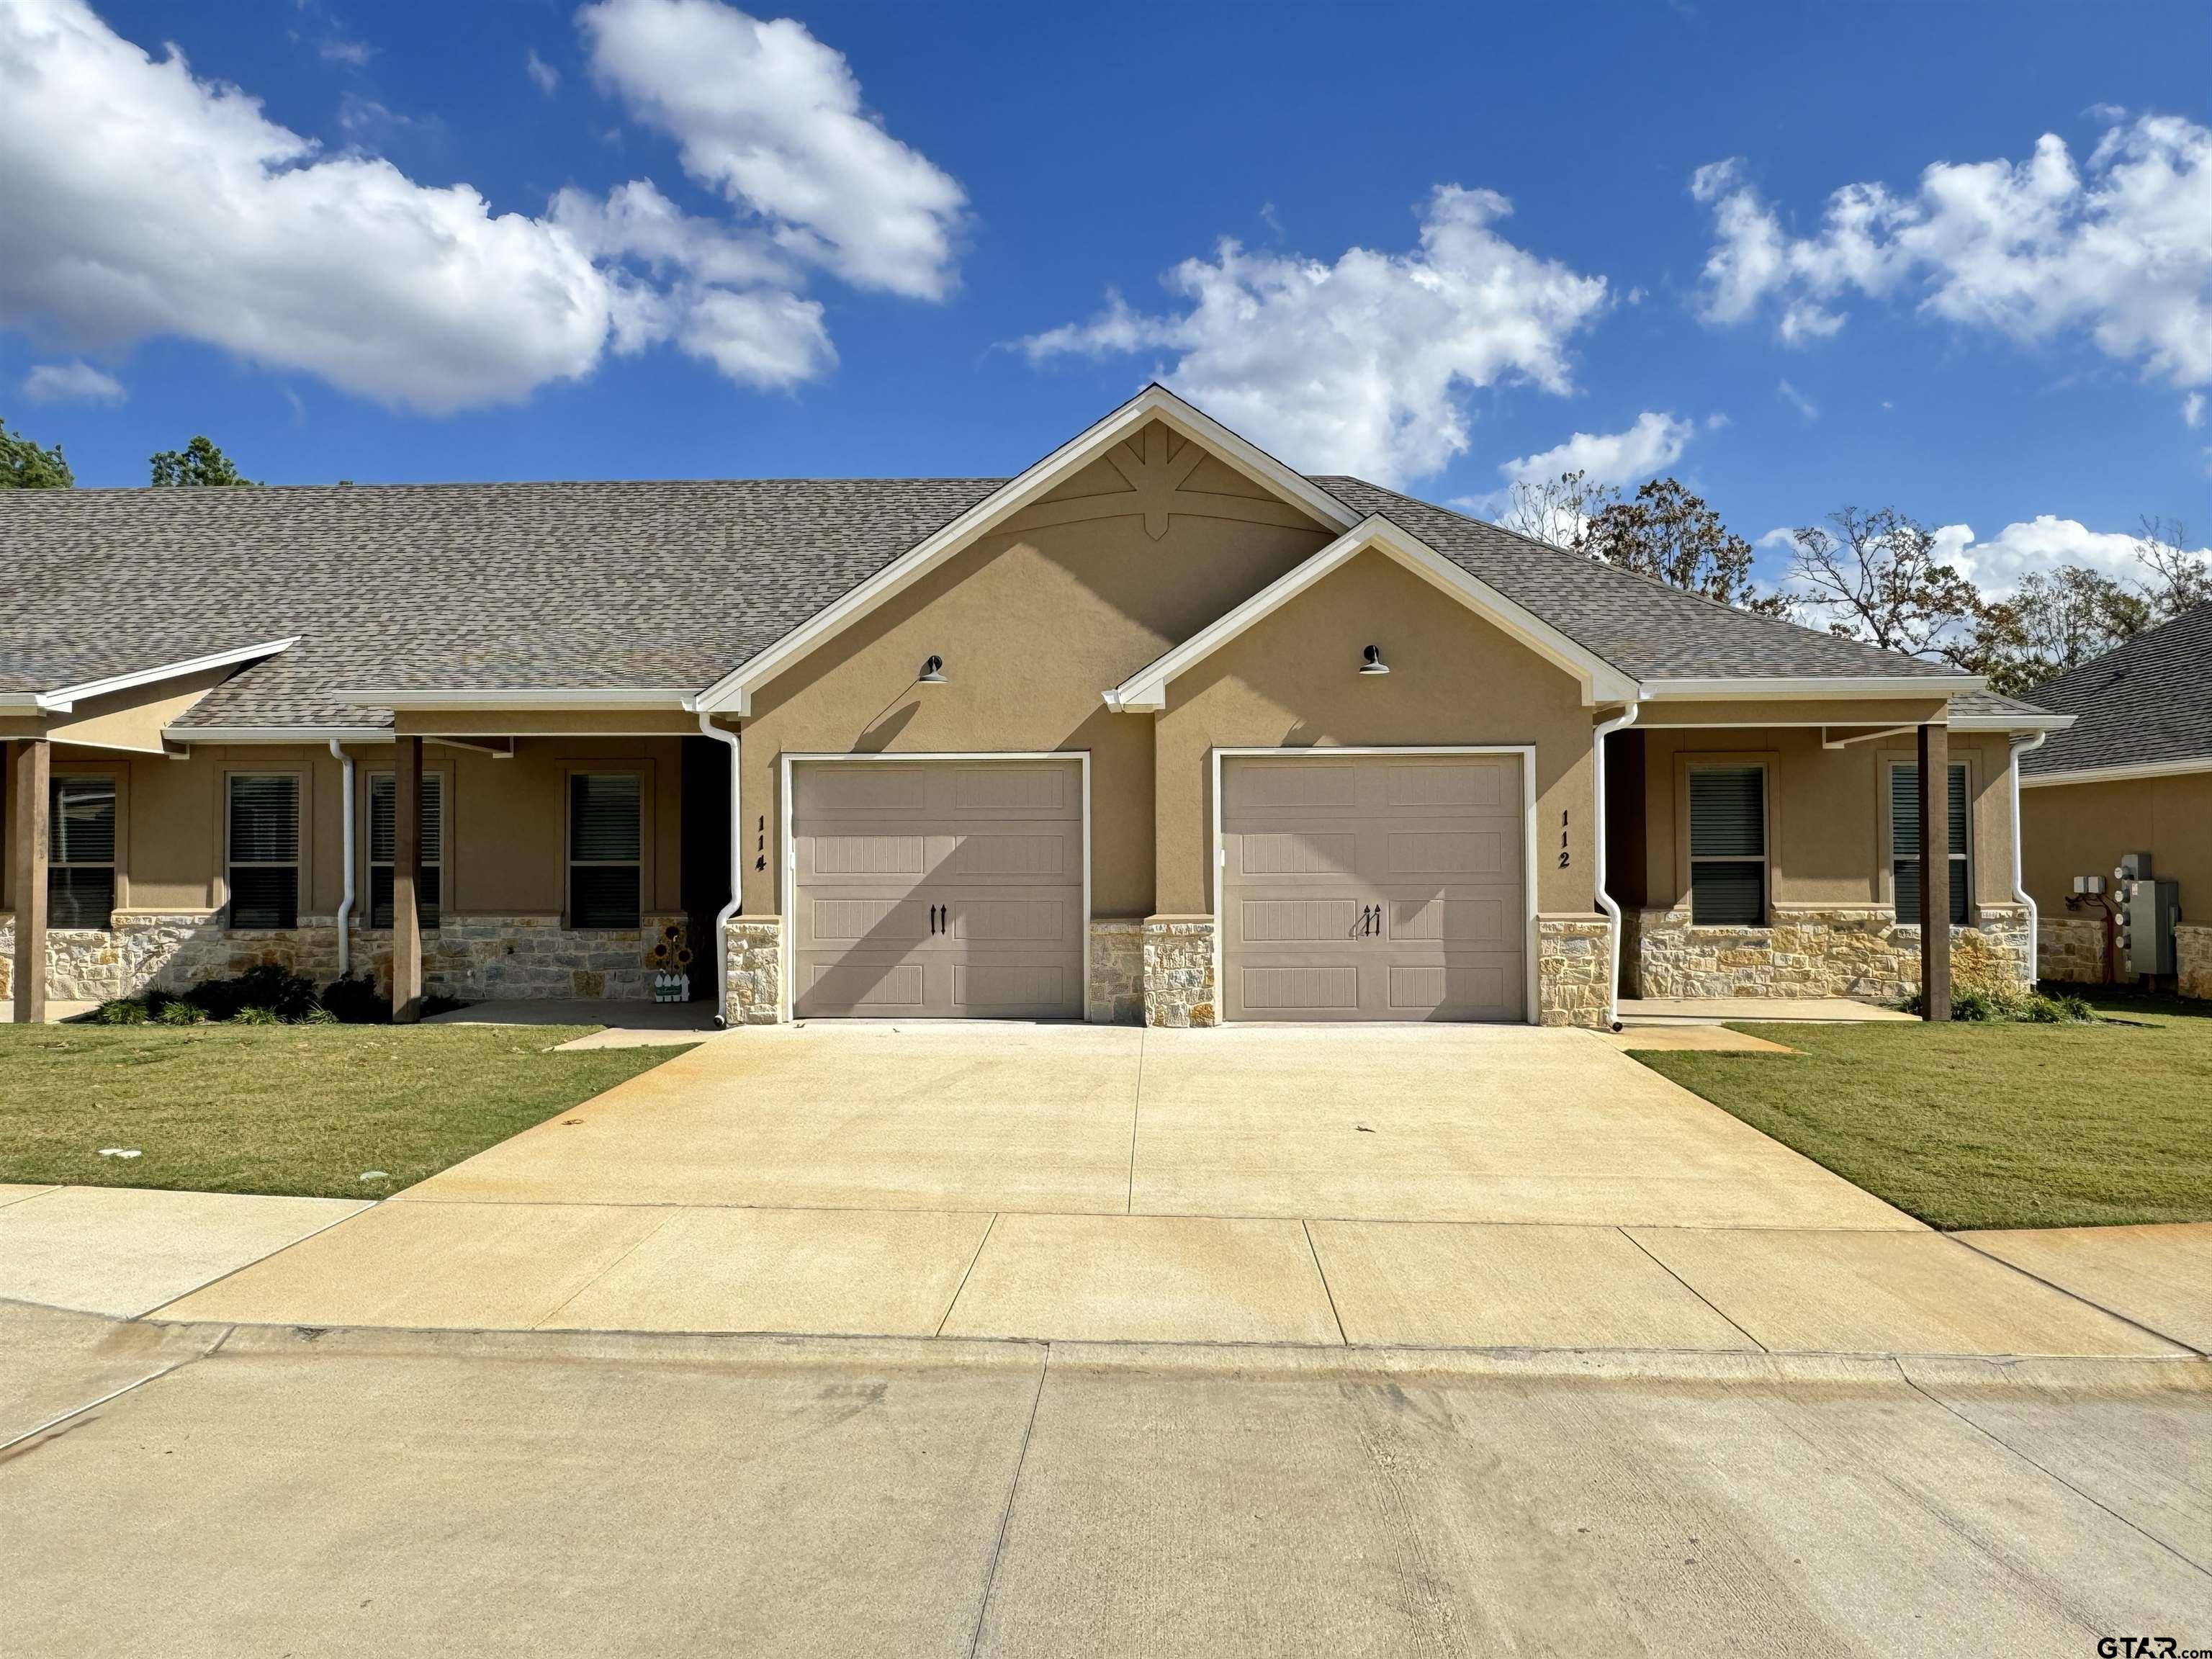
{"points": [[71, 383], [2119, 247], [1798, 401], [1362, 365], [140, 202], [1655, 442], [2041, 544], [772, 117], [2192, 409], [543, 74]]}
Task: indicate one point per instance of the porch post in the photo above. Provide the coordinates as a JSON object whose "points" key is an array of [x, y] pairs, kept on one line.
{"points": [[32, 768], [406, 881], [1934, 872]]}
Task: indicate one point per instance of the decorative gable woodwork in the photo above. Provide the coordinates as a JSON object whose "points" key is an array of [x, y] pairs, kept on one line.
{"points": [[1157, 474]]}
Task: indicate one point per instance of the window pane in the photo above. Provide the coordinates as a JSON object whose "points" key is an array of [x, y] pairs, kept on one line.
{"points": [[603, 896], [264, 897], [1906, 875], [380, 895], [1728, 893], [1728, 811], [79, 897], [1905, 810], [602, 817], [1959, 895], [383, 790], [80, 823], [265, 820]]}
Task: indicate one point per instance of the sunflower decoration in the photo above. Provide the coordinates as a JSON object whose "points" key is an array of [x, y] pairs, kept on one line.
{"points": [[683, 956]]}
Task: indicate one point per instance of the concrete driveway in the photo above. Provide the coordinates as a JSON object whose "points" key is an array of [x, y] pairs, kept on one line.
{"points": [[1451, 1186], [1422, 1123]]}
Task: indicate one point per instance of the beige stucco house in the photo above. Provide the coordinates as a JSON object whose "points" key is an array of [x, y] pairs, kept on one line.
{"points": [[1159, 730], [2134, 774]]}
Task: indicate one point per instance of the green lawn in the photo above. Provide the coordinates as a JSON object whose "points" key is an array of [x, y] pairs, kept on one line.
{"points": [[1997, 1124], [283, 1108]]}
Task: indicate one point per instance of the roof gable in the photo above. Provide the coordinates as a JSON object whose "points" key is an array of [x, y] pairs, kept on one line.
{"points": [[1156, 475], [1145, 691]]}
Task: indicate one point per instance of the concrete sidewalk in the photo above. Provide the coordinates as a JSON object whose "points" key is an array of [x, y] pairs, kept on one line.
{"points": [[391, 1493]]}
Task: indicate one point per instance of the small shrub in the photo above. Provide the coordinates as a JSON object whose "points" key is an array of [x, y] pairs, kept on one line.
{"points": [[318, 1015], [250, 1015], [120, 1011], [1977, 1005], [177, 1010], [354, 1000], [2075, 1008], [267, 986]]}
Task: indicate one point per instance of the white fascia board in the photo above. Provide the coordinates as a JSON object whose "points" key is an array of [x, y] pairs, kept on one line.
{"points": [[523, 697], [63, 698], [2038, 721], [1785, 688], [2172, 769], [1145, 691], [275, 733], [732, 693]]}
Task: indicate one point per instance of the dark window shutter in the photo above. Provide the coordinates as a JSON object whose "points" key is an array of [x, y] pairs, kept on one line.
{"points": [[1904, 844]]}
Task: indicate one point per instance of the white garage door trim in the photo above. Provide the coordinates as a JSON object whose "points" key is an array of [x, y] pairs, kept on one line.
{"points": [[1526, 750], [787, 880]]}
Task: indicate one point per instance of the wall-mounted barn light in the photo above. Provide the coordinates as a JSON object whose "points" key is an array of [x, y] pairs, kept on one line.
{"points": [[933, 673], [1370, 661]]}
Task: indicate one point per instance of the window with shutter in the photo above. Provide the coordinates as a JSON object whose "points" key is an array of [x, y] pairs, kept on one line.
{"points": [[1904, 844], [382, 789], [1728, 846], [264, 855], [81, 852], [604, 849]]}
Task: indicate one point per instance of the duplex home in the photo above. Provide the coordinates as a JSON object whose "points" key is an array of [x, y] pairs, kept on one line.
{"points": [[2134, 774], [1159, 729]]}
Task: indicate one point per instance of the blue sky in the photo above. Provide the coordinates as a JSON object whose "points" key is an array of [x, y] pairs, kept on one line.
{"points": [[974, 178]]}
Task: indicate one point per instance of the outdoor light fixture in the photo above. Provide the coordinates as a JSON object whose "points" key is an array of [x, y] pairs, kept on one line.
{"points": [[1370, 661], [933, 673]]}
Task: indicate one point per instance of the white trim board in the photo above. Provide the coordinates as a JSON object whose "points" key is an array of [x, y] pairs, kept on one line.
{"points": [[1145, 691], [1796, 686], [732, 693], [786, 882], [2174, 768], [523, 697], [63, 698], [1531, 936]]}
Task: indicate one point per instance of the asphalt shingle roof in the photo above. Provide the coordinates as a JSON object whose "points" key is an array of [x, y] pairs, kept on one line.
{"points": [[2146, 701], [633, 585]]}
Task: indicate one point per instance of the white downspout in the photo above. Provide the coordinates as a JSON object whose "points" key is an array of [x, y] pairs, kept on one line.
{"points": [[345, 840], [736, 865], [2019, 881], [1604, 899]]}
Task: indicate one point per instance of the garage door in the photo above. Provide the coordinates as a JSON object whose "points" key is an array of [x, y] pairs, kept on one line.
{"points": [[1373, 887], [939, 890]]}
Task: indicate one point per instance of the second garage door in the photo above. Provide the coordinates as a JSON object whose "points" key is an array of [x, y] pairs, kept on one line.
{"points": [[1377, 887], [946, 890]]}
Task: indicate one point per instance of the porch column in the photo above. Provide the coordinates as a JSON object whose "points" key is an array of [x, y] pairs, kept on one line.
{"points": [[406, 881], [33, 768], [1934, 872]]}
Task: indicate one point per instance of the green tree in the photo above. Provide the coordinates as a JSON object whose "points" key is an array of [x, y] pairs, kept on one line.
{"points": [[198, 464], [25, 465], [1666, 531]]}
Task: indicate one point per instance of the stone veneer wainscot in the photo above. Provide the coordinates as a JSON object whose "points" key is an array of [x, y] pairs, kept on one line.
{"points": [[1179, 989], [1843, 952]]}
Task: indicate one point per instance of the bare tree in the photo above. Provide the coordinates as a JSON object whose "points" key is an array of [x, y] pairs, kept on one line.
{"points": [[1558, 510], [2174, 579], [1876, 577], [2051, 622]]}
